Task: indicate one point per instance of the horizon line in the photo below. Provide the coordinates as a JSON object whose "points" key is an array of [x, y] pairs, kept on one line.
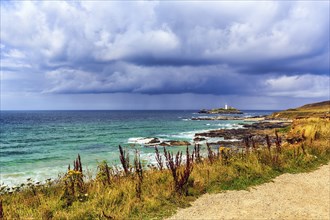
{"points": [[128, 109]]}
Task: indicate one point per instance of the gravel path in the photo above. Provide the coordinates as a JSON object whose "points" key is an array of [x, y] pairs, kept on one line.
{"points": [[289, 196]]}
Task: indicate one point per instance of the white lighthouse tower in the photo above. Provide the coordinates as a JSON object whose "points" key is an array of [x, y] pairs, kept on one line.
{"points": [[226, 106]]}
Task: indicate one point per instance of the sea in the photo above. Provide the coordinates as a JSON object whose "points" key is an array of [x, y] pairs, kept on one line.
{"points": [[41, 144]]}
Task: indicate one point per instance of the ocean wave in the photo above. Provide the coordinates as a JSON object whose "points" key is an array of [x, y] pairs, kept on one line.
{"points": [[140, 140], [16, 152], [214, 139], [228, 126], [188, 135], [38, 175]]}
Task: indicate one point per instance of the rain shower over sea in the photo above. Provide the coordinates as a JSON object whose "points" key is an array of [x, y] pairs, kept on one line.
{"points": [[41, 144]]}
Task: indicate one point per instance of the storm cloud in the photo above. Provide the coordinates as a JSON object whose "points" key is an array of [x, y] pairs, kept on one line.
{"points": [[278, 50]]}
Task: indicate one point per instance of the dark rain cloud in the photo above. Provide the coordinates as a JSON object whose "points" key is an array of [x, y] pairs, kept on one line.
{"points": [[221, 48]]}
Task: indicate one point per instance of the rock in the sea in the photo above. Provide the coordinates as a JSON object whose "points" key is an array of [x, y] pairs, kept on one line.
{"points": [[252, 130], [217, 118], [164, 144], [227, 134], [203, 111], [175, 143], [197, 139], [220, 111], [154, 141]]}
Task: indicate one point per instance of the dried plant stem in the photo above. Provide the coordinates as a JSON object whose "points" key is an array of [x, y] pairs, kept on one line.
{"points": [[124, 159]]}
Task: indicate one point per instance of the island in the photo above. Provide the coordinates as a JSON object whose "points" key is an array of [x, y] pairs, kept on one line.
{"points": [[226, 110]]}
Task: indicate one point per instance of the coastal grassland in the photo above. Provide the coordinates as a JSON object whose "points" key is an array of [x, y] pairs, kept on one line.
{"points": [[321, 109], [134, 191]]}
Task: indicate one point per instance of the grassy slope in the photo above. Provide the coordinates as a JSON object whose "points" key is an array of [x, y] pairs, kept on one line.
{"points": [[119, 198], [321, 109]]}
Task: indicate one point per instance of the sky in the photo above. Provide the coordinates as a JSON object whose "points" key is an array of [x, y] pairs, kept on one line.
{"points": [[163, 54]]}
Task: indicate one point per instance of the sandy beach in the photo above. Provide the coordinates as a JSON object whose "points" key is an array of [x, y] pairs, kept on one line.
{"points": [[289, 196]]}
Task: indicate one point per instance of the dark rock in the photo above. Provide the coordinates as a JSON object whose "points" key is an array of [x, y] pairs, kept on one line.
{"points": [[228, 143], [267, 125], [154, 141], [203, 111], [227, 134], [220, 111], [164, 144], [217, 118], [175, 143], [251, 132], [196, 139]]}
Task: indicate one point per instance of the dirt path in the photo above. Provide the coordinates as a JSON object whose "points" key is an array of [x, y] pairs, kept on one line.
{"points": [[290, 196]]}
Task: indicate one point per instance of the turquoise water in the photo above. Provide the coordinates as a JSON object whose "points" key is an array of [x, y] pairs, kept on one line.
{"points": [[41, 144]]}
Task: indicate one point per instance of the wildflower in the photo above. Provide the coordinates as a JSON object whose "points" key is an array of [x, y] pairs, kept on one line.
{"points": [[74, 172], [222, 149]]}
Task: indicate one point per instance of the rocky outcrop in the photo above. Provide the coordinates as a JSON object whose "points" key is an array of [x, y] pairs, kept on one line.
{"points": [[231, 137], [227, 134], [229, 144], [253, 132], [220, 111], [198, 139], [156, 142], [267, 125], [175, 143], [217, 118]]}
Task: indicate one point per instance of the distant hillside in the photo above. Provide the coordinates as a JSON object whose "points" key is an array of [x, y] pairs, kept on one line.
{"points": [[320, 109], [316, 106]]}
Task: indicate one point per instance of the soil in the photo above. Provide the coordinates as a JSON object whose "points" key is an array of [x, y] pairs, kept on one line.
{"points": [[289, 196]]}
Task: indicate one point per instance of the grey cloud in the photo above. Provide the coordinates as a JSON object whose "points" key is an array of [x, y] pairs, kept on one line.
{"points": [[166, 47], [125, 77], [299, 86], [168, 33]]}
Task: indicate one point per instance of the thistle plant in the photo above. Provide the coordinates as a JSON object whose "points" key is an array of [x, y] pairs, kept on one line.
{"points": [[139, 173], [124, 159], [2, 216], [159, 159], [197, 154], [73, 182], [180, 177], [104, 173], [210, 154]]}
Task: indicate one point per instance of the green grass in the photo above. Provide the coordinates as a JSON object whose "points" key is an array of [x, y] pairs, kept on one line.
{"points": [[285, 129], [119, 198]]}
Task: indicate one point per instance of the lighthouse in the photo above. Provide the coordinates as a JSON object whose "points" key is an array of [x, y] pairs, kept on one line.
{"points": [[226, 106]]}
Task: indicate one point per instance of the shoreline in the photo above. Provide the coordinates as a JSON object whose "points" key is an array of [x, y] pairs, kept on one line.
{"points": [[153, 194], [213, 141]]}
